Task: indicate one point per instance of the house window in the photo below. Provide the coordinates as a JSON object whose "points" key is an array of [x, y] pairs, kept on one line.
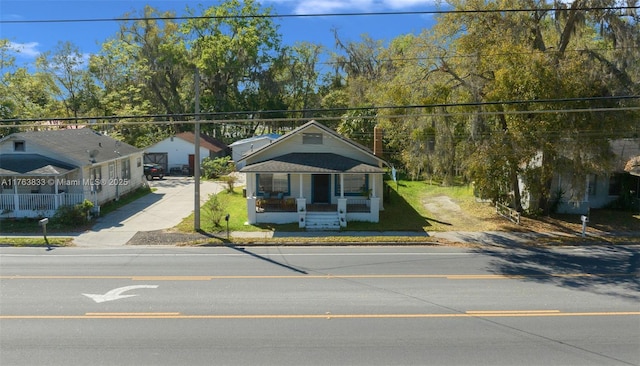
{"points": [[18, 146], [615, 185], [96, 179], [112, 170], [312, 138], [139, 162], [270, 183], [125, 169], [354, 184]]}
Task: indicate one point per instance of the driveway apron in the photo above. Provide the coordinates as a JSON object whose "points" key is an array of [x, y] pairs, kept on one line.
{"points": [[167, 206]]}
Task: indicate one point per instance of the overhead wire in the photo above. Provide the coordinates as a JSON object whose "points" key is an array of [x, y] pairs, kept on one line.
{"points": [[346, 14]]}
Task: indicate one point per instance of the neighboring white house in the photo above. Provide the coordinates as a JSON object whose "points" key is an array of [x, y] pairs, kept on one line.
{"points": [[315, 177], [43, 170], [246, 146], [177, 153], [598, 191]]}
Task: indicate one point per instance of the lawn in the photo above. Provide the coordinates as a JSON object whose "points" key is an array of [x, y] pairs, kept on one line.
{"points": [[421, 206]]}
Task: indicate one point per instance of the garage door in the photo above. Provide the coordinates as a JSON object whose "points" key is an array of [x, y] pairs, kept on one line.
{"points": [[157, 158]]}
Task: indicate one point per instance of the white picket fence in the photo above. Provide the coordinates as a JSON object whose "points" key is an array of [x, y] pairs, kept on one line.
{"points": [[36, 204]]}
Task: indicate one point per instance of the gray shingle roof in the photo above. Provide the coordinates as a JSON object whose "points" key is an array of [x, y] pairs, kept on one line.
{"points": [[291, 134], [18, 164], [75, 144], [311, 163]]}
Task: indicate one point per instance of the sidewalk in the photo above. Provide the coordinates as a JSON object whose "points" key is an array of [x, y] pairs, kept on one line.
{"points": [[172, 201]]}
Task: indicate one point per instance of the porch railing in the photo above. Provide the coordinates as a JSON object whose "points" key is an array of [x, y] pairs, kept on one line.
{"points": [[7, 202], [38, 201], [288, 205], [358, 205]]}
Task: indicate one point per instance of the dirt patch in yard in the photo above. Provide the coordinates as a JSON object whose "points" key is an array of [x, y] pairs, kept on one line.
{"points": [[446, 213], [450, 214]]}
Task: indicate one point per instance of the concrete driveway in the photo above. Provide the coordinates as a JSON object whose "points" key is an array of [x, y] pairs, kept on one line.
{"points": [[167, 206]]}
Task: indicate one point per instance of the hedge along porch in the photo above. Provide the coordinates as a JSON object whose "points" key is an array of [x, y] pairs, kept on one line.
{"points": [[313, 173]]}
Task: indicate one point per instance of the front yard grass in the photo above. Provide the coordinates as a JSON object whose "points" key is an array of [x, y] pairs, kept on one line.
{"points": [[421, 207], [36, 242]]}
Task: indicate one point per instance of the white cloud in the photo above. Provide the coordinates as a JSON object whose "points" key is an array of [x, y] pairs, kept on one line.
{"points": [[329, 6], [405, 4], [29, 49]]}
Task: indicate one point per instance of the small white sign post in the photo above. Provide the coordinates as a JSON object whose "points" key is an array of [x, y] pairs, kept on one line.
{"points": [[584, 220]]}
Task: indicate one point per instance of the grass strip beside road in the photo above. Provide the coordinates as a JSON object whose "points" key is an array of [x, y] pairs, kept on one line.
{"points": [[19, 242]]}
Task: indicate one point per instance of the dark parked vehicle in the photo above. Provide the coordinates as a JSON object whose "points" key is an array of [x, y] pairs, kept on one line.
{"points": [[153, 171]]}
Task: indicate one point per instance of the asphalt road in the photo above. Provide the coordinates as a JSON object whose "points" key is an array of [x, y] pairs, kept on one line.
{"points": [[320, 306]]}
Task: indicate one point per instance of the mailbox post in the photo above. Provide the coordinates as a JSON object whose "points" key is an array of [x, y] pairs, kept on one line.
{"points": [[584, 220], [43, 223], [226, 218]]}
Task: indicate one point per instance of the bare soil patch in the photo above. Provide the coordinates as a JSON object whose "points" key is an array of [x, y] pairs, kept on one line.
{"points": [[451, 214]]}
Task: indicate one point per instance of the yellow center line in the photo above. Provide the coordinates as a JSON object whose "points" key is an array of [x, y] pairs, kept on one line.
{"points": [[132, 314], [172, 278], [491, 312], [177, 315]]}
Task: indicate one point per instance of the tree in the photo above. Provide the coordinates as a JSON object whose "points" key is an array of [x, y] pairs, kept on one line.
{"points": [[23, 94], [233, 45], [66, 66]]}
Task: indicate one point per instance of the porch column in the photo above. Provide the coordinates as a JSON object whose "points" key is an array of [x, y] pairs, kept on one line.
{"points": [[301, 187], [16, 200], [250, 185], [373, 179], [56, 199], [252, 216], [374, 213], [341, 185]]}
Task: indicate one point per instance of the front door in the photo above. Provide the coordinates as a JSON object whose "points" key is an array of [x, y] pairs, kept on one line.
{"points": [[321, 188]]}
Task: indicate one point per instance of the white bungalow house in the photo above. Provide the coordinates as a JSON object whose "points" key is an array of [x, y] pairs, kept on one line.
{"points": [[246, 146], [597, 191], [315, 177], [43, 170], [177, 153]]}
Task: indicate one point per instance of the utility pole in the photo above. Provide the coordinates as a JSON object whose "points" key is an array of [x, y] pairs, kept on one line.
{"points": [[196, 157]]}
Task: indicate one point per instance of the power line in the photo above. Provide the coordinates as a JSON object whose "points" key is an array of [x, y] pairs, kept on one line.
{"points": [[342, 110], [385, 13], [319, 118]]}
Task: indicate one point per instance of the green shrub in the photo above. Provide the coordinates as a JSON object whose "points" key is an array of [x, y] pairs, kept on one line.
{"points": [[213, 168], [215, 208], [230, 180], [73, 215]]}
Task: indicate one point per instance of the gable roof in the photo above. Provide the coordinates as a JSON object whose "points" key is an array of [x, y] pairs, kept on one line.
{"points": [[288, 136], [18, 164], [269, 136], [207, 142], [76, 145]]}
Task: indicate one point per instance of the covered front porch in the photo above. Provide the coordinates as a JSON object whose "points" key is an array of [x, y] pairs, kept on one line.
{"points": [[34, 185], [36, 205], [320, 201]]}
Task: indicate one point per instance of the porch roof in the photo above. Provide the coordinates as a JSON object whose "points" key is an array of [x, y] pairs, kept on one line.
{"points": [[312, 163], [32, 164]]}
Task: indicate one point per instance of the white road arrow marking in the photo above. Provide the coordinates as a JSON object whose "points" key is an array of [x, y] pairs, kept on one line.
{"points": [[116, 294]]}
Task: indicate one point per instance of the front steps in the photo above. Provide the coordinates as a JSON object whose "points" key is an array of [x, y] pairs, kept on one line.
{"points": [[322, 221]]}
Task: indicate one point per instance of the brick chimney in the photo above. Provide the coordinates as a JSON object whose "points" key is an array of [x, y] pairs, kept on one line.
{"points": [[377, 141]]}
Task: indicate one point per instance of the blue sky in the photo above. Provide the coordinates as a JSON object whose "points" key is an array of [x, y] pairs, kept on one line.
{"points": [[33, 38]]}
